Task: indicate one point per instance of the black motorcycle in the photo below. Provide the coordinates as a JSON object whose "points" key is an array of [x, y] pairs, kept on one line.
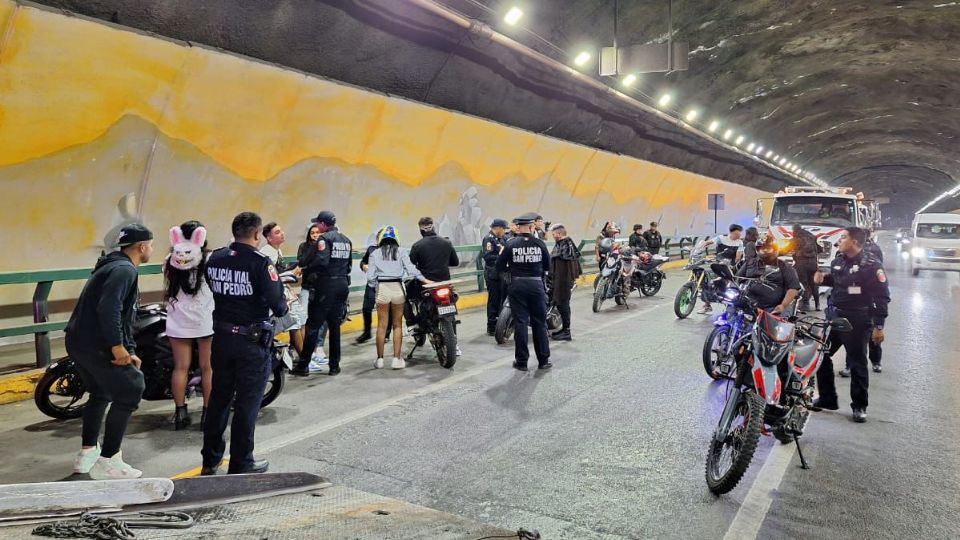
{"points": [[60, 392], [504, 329], [625, 271], [437, 320]]}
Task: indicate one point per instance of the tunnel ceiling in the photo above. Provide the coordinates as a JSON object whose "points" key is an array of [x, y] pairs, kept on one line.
{"points": [[863, 93]]}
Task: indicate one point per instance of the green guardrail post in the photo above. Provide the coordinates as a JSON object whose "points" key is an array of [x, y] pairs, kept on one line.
{"points": [[41, 313]]}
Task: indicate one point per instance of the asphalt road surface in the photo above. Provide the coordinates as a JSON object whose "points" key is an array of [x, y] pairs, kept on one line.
{"points": [[610, 443]]}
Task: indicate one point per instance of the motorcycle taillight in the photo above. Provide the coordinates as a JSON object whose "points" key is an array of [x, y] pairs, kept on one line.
{"points": [[442, 295]]}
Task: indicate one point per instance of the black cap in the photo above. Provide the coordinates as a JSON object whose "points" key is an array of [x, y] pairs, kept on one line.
{"points": [[325, 216], [133, 233], [637, 226], [499, 223], [525, 219]]}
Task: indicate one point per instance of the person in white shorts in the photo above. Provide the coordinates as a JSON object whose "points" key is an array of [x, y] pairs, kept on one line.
{"points": [[389, 267], [189, 303]]}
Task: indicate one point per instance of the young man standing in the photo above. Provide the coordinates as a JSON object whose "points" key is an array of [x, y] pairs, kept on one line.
{"points": [[654, 238], [99, 339], [275, 237]]}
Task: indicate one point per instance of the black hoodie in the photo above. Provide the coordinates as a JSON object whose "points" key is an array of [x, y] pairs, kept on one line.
{"points": [[434, 255], [105, 311]]}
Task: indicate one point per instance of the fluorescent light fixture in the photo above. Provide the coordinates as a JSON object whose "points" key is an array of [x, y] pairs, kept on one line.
{"points": [[665, 100], [759, 150], [715, 125], [513, 16], [782, 161], [582, 58], [769, 153], [629, 80], [692, 115], [750, 147], [739, 140], [727, 134]]}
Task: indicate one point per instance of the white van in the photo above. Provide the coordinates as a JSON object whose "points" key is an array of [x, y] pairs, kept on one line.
{"points": [[936, 243]]}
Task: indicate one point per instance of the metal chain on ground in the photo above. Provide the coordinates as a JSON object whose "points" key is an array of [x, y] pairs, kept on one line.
{"points": [[112, 528]]}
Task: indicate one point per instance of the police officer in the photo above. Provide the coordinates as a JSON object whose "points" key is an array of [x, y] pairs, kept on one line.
{"points": [[527, 260], [246, 288], [876, 351], [492, 246], [330, 263], [860, 294]]}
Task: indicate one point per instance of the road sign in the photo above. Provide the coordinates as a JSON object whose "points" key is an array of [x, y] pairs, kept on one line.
{"points": [[715, 201]]}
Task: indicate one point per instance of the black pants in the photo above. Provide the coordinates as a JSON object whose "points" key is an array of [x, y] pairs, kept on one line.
{"points": [[528, 300], [564, 309], [876, 353], [855, 345], [326, 306], [495, 298], [805, 271], [241, 369], [653, 250], [117, 386]]}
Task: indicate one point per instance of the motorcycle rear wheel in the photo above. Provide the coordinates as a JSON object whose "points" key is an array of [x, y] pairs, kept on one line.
{"points": [[446, 344], [504, 329], [275, 384], [685, 300], [712, 347], [60, 392], [741, 443], [651, 285]]}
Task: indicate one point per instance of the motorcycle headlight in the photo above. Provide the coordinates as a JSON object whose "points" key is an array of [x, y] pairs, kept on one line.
{"points": [[917, 252], [731, 294]]}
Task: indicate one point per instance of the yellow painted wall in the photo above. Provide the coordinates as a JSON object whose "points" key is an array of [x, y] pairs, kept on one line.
{"points": [[91, 114]]}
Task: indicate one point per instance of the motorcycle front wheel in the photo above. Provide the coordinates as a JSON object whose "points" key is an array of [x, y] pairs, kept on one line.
{"points": [[685, 300], [275, 384], [504, 329], [445, 343], [728, 460], [60, 392], [600, 294], [713, 349]]}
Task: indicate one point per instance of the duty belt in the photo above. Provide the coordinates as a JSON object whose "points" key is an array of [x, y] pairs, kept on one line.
{"points": [[538, 278], [253, 330]]}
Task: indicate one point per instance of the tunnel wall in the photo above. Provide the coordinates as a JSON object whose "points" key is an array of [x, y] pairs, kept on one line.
{"points": [[100, 125]]}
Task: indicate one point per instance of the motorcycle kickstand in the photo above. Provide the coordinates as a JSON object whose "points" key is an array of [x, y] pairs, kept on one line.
{"points": [[410, 354], [803, 461]]}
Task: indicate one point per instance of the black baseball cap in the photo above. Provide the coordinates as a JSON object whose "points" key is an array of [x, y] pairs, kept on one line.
{"points": [[133, 233], [325, 216], [499, 223]]}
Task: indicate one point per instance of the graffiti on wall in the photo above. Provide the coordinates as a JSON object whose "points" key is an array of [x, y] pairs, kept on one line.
{"points": [[129, 126]]}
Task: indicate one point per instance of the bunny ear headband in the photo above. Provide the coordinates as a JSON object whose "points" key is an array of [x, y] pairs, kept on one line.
{"points": [[187, 253]]}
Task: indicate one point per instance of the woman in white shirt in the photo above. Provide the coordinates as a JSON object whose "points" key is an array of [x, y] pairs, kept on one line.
{"points": [[189, 313], [388, 268]]}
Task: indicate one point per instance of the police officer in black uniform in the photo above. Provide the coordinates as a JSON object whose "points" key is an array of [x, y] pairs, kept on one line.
{"points": [[876, 351], [246, 289], [493, 244], [527, 260], [860, 294], [330, 263]]}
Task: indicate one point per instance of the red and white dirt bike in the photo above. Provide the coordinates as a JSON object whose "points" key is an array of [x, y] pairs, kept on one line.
{"points": [[772, 390]]}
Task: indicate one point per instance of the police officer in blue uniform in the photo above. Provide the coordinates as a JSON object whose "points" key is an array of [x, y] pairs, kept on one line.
{"points": [[330, 263], [860, 294], [496, 290], [246, 289], [527, 260]]}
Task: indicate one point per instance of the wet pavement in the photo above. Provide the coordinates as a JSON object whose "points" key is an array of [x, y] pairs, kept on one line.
{"points": [[610, 443]]}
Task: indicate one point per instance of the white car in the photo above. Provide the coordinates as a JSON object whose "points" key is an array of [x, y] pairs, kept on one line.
{"points": [[936, 243]]}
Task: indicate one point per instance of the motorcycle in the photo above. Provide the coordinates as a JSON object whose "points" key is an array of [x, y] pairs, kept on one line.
{"points": [[772, 390], [702, 283], [437, 320], [730, 326], [60, 392], [624, 271], [504, 329]]}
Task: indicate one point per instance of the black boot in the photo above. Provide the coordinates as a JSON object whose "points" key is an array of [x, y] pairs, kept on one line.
{"points": [[364, 337], [562, 335], [181, 418]]}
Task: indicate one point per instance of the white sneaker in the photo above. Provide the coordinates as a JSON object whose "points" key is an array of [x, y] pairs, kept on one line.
{"points": [[378, 364], [85, 459], [315, 367], [113, 468], [459, 352], [319, 358], [398, 363]]}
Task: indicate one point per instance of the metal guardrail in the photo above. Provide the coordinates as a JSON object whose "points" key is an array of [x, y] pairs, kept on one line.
{"points": [[44, 280]]}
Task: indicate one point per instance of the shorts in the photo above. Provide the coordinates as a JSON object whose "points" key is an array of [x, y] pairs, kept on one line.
{"points": [[390, 292]]}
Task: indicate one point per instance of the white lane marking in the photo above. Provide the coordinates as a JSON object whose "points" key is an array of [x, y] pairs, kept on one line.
{"points": [[753, 511], [294, 437]]}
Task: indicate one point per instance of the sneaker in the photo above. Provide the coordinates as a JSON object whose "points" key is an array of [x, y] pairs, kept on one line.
{"points": [[364, 337], [85, 459], [319, 358], [877, 368], [820, 404], [707, 308], [845, 373], [378, 364], [398, 363], [315, 367], [859, 416], [113, 468]]}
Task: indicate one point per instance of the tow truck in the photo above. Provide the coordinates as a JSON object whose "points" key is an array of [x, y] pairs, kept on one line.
{"points": [[824, 211]]}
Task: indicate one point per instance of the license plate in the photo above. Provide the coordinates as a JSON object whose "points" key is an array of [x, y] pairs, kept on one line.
{"points": [[447, 310], [287, 360]]}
